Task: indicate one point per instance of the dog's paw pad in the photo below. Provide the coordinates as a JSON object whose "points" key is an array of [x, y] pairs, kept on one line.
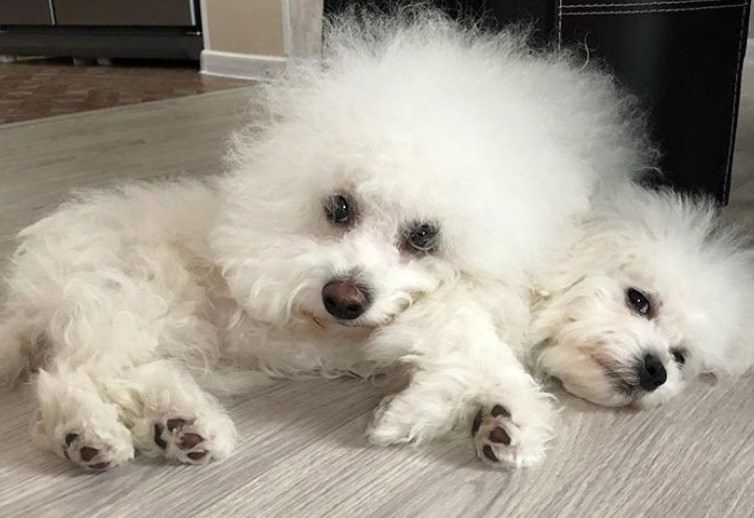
{"points": [[82, 452], [196, 455], [498, 437], [189, 441], [158, 440], [499, 411], [181, 440], [489, 453], [88, 453], [175, 423]]}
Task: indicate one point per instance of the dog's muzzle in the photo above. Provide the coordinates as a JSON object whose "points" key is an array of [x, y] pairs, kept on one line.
{"points": [[651, 372], [345, 299]]}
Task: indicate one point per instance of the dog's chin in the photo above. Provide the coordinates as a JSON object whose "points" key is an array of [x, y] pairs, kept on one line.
{"points": [[660, 396], [593, 378], [611, 391], [605, 381], [325, 323], [330, 324], [602, 386], [608, 397]]}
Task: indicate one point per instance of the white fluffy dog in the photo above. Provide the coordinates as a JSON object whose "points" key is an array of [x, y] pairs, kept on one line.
{"points": [[392, 209], [653, 291]]}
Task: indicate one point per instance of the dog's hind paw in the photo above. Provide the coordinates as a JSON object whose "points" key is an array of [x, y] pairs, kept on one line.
{"points": [[96, 452], [193, 441], [180, 440]]}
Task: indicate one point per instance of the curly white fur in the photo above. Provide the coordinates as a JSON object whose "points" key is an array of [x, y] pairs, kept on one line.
{"points": [[130, 301], [696, 272]]}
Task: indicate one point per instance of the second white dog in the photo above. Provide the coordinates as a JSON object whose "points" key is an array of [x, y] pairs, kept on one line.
{"points": [[653, 291]]}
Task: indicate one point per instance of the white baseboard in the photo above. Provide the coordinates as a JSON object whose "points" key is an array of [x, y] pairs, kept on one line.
{"points": [[244, 66]]}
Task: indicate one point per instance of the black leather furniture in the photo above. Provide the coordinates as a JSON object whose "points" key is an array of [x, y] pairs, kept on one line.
{"points": [[682, 58]]}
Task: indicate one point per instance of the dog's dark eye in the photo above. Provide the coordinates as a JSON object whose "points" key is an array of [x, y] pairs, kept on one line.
{"points": [[422, 237], [679, 356], [339, 210], [638, 302]]}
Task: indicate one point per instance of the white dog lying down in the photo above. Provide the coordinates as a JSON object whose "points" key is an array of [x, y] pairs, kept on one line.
{"points": [[393, 210], [654, 291]]}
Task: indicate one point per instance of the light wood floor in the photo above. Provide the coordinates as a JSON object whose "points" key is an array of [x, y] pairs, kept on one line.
{"points": [[33, 88], [303, 453]]}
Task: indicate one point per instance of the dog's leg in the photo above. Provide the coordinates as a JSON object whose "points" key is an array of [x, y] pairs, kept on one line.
{"points": [[427, 409], [508, 416], [465, 377], [75, 422], [169, 415]]}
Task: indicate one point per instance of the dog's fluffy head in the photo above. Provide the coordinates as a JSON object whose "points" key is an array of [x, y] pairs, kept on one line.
{"points": [[421, 128], [655, 292]]}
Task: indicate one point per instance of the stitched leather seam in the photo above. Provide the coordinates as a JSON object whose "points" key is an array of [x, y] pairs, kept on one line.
{"points": [[648, 11], [560, 14], [640, 4]]}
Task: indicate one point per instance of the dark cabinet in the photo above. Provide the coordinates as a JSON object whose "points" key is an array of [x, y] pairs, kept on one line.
{"points": [[167, 13], [101, 28], [25, 12]]}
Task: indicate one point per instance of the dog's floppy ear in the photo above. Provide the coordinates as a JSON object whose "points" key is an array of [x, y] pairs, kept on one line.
{"points": [[737, 356], [728, 253], [740, 355]]}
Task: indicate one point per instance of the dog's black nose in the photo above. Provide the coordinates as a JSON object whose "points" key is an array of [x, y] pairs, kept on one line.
{"points": [[345, 299], [651, 372]]}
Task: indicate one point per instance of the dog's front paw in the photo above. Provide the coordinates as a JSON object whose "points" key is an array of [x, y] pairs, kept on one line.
{"points": [[502, 440]]}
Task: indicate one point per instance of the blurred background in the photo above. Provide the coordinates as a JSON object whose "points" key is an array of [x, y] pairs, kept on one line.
{"points": [[683, 60]]}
